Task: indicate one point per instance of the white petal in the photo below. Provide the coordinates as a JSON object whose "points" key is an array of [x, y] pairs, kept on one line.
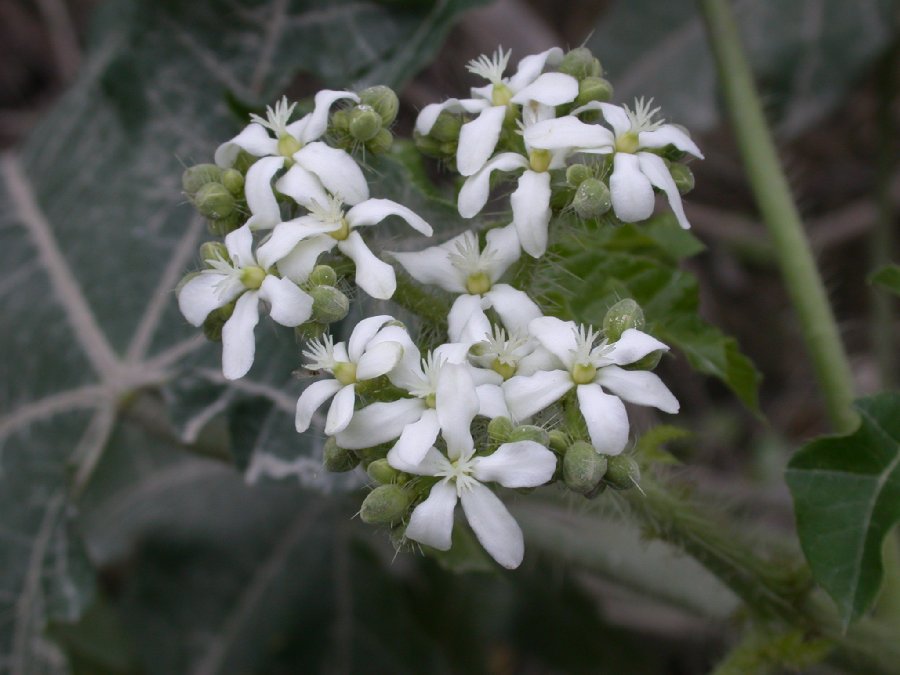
{"points": [[495, 528], [313, 125], [550, 89], [503, 242], [630, 189], [426, 119], [655, 170], [287, 235], [457, 404], [668, 134], [288, 305], [539, 359], [529, 67], [432, 464], [340, 175], [638, 386], [531, 211], [467, 322], [379, 423], [454, 352], [200, 295], [254, 138], [341, 410], [478, 138], [518, 464], [302, 186], [568, 132], [379, 360], [491, 401], [374, 276], [363, 332], [311, 399], [606, 419], [432, 266], [431, 522], [616, 117], [556, 336], [529, 394], [414, 442], [240, 246], [373, 211], [515, 308], [632, 346], [238, 343], [260, 196], [475, 191], [298, 264]]}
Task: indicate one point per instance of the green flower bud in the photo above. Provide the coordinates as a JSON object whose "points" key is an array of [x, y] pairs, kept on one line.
{"points": [[591, 199], [623, 472], [340, 120], [323, 275], [382, 142], [577, 174], [683, 177], [311, 330], [428, 146], [529, 432], [337, 459], [580, 63], [649, 362], [364, 123], [385, 505], [559, 441], [383, 100], [214, 201], [499, 429], [446, 127], [594, 89], [213, 250], [212, 325], [222, 226], [620, 317], [329, 304], [382, 472], [233, 180], [583, 467], [195, 177], [244, 161]]}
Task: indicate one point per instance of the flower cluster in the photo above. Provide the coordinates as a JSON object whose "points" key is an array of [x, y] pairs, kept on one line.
{"points": [[513, 397]]}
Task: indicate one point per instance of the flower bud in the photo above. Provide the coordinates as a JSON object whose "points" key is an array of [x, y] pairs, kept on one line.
{"points": [[364, 123], [428, 146], [623, 472], [212, 325], [329, 304], [383, 100], [499, 429], [222, 226], [683, 177], [620, 317], [446, 127], [577, 174], [591, 199], [529, 432], [594, 89], [583, 467], [214, 201], [323, 275], [311, 330], [233, 180], [337, 459], [382, 472], [580, 63], [559, 441], [649, 362], [244, 161], [384, 505], [212, 251], [382, 142], [340, 120], [195, 177]]}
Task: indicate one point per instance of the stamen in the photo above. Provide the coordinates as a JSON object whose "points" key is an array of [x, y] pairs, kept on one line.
{"points": [[641, 116], [469, 259], [277, 119], [331, 212], [320, 354], [491, 68]]}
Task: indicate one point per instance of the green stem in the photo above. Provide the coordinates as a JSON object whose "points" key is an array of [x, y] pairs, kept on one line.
{"points": [[780, 213]]}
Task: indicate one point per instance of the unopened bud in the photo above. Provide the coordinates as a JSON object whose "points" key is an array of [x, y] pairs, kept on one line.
{"points": [[323, 275], [311, 330], [583, 467], [580, 63], [364, 123], [382, 472], [337, 459], [594, 89], [214, 201], [195, 177], [233, 180], [499, 429], [620, 317], [623, 472], [340, 120], [243, 161], [649, 362], [559, 441], [382, 142], [385, 505], [591, 199], [215, 320], [383, 100], [529, 432], [683, 177], [446, 127], [212, 251], [222, 226], [577, 174], [428, 146], [329, 304]]}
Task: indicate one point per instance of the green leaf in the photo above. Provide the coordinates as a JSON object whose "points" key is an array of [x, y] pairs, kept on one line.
{"points": [[846, 493], [806, 55], [888, 278]]}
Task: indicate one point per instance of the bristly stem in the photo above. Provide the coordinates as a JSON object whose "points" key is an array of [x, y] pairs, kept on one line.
{"points": [[780, 213]]}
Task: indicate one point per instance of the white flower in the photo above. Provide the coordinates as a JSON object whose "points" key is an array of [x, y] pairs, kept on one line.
{"points": [[369, 353], [518, 464], [242, 278], [635, 172], [295, 245], [478, 138], [590, 369], [460, 265]]}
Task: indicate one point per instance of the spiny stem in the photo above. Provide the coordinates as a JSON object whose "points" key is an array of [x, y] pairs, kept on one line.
{"points": [[780, 213]]}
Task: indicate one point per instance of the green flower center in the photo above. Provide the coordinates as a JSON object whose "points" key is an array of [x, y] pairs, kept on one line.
{"points": [[478, 283], [583, 373], [288, 145], [501, 95], [252, 277], [506, 370], [345, 372], [539, 160], [627, 142], [342, 232]]}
